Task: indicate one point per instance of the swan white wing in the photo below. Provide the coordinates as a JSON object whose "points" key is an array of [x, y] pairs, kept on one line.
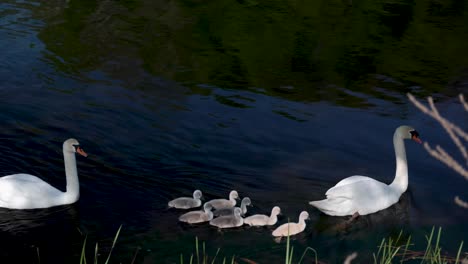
{"points": [[348, 187], [351, 179], [20, 191], [222, 203], [256, 220], [184, 203], [365, 196], [196, 217], [227, 221], [288, 229]]}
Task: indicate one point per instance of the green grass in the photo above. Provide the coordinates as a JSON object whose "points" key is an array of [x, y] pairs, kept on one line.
{"points": [[96, 250], [290, 253], [390, 250], [205, 258]]}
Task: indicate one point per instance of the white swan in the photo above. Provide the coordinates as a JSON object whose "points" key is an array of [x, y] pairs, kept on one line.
{"points": [[200, 216], [230, 210], [360, 195], [229, 221], [290, 229], [187, 202], [25, 191], [223, 203], [263, 220]]}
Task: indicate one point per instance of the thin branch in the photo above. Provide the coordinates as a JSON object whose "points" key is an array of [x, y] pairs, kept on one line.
{"points": [[447, 125], [454, 132], [445, 158], [460, 202], [350, 258], [437, 117], [463, 102]]}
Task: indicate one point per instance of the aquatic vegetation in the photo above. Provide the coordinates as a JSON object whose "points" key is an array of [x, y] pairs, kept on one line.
{"points": [[96, 250], [203, 257], [392, 249]]}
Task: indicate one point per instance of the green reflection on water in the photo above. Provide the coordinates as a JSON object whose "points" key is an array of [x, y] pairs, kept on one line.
{"points": [[311, 47]]}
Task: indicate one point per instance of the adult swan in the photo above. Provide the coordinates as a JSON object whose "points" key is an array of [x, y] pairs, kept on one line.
{"points": [[25, 191], [360, 195]]}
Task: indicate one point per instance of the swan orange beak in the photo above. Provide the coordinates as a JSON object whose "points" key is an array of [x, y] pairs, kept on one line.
{"points": [[416, 138], [81, 152]]}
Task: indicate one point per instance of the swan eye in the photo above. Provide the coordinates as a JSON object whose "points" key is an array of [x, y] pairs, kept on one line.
{"points": [[414, 134]]}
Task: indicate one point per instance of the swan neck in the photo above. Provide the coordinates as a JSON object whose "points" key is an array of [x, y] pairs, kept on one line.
{"points": [[73, 187], [302, 221], [273, 219], [243, 208], [233, 201], [400, 183]]}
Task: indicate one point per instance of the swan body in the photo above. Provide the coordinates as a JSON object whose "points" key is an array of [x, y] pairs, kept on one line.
{"points": [[364, 195], [25, 191], [263, 220], [200, 216], [223, 203], [187, 202], [229, 221], [290, 229], [230, 210]]}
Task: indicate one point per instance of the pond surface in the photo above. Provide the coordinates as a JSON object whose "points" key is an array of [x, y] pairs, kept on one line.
{"points": [[278, 101]]}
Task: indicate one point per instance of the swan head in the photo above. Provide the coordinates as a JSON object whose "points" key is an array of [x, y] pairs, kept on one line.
{"points": [[207, 207], [304, 216], [246, 201], [197, 194], [73, 146], [276, 210], [237, 212], [407, 132], [233, 195]]}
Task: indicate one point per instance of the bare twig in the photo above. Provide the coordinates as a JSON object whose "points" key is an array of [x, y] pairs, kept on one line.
{"points": [[445, 158], [460, 202], [455, 133], [464, 103], [438, 117], [350, 258]]}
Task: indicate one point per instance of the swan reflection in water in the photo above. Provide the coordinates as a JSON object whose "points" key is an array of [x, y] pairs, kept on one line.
{"points": [[39, 235]]}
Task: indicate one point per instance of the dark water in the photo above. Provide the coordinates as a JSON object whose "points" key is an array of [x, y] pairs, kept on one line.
{"points": [[278, 101]]}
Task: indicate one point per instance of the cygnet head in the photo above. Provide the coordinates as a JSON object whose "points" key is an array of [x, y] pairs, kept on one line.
{"points": [[233, 195], [276, 210], [304, 216], [407, 132], [207, 207], [197, 194], [237, 212], [72, 145], [246, 201]]}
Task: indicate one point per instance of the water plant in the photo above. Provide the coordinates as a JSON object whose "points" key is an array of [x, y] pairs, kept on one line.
{"points": [[205, 258], [96, 250], [391, 249]]}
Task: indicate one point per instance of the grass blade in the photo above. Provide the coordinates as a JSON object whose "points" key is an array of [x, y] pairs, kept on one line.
{"points": [[458, 253], [83, 251], [113, 244], [96, 254]]}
